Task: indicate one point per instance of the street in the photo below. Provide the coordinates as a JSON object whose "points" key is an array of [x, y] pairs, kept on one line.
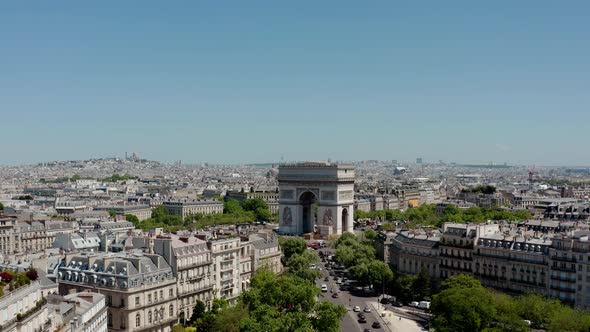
{"points": [[396, 320]]}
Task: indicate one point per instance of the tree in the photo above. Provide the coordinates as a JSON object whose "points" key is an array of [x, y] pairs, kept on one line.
{"points": [[370, 235], [300, 265], [263, 214], [537, 308], [198, 312], [460, 281], [232, 206], [230, 318], [159, 212], [507, 318], [292, 245], [132, 218], [32, 274], [462, 309], [421, 285], [253, 204], [379, 273], [327, 317]]}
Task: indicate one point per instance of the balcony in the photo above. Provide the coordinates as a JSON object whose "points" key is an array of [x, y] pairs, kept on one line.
{"points": [[194, 290], [564, 268], [564, 259], [563, 289], [565, 279], [228, 258], [193, 265], [456, 257]]}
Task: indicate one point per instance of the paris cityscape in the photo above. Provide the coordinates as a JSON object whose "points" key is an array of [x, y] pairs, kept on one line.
{"points": [[294, 167]]}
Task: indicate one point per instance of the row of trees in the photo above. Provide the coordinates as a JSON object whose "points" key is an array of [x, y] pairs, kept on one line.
{"points": [[426, 215], [286, 302], [463, 304], [359, 256], [249, 210]]}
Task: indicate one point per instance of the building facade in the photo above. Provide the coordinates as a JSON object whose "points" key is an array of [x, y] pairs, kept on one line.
{"points": [[140, 289]]}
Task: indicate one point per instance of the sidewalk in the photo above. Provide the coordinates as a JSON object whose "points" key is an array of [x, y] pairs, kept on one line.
{"points": [[393, 323]]}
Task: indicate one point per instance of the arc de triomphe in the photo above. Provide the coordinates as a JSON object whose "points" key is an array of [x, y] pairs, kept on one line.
{"points": [[316, 194]]}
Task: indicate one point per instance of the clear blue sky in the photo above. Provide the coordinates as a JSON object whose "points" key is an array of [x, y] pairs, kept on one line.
{"points": [[247, 81]]}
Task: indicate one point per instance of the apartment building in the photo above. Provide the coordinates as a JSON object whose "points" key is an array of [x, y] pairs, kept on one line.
{"points": [[30, 236], [413, 251], [79, 312], [24, 309], [552, 259], [141, 211], [140, 288], [185, 208], [192, 265], [225, 253]]}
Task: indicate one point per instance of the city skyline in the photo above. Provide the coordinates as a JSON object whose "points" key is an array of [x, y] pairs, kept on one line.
{"points": [[240, 84]]}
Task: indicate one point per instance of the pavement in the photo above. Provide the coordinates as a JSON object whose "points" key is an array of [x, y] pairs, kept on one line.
{"points": [[391, 321]]}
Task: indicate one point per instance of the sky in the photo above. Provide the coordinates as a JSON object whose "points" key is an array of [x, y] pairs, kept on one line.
{"points": [[251, 81]]}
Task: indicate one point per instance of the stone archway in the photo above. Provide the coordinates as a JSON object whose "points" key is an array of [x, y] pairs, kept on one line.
{"points": [[312, 197], [345, 220], [307, 203]]}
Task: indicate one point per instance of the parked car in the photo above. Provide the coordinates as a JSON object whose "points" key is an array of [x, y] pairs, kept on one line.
{"points": [[356, 308], [414, 304], [324, 288], [376, 325], [397, 304], [362, 319], [424, 305], [367, 309]]}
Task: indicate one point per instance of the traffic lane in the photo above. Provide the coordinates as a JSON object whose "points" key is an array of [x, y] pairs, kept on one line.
{"points": [[349, 301]]}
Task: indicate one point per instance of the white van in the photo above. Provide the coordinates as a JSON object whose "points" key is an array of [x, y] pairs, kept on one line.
{"points": [[324, 288], [424, 305]]}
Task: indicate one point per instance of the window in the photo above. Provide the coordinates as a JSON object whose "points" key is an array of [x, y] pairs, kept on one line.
{"points": [[137, 301], [161, 294], [137, 320], [171, 292], [149, 298], [123, 324], [109, 300], [156, 296], [149, 317], [122, 303], [171, 311], [110, 319]]}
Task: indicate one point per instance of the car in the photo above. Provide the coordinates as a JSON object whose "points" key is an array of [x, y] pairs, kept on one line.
{"points": [[327, 279], [331, 273], [339, 281], [335, 295], [397, 304], [356, 308], [367, 330], [362, 319], [324, 288], [367, 309], [376, 325], [414, 304]]}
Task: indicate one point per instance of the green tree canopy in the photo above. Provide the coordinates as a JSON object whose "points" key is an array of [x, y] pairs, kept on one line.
{"points": [[462, 310], [232, 206], [292, 245]]}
